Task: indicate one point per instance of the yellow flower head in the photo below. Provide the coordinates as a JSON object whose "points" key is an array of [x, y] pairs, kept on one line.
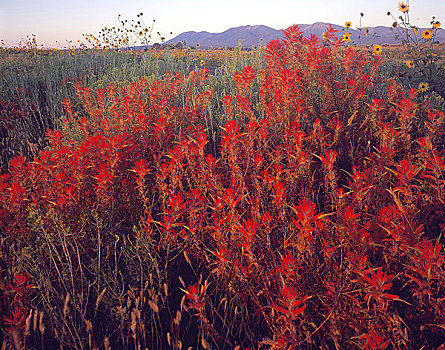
{"points": [[403, 7], [346, 37], [348, 24], [436, 24], [367, 31], [202, 63], [377, 49], [198, 45], [414, 30], [427, 34], [423, 87], [410, 64]]}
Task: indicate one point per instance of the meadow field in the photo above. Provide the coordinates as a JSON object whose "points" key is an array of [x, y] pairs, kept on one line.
{"points": [[287, 196]]}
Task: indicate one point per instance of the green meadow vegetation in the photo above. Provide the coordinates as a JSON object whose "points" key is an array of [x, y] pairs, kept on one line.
{"points": [[287, 196]]}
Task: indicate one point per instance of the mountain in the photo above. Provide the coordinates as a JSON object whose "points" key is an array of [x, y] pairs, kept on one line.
{"points": [[250, 36]]}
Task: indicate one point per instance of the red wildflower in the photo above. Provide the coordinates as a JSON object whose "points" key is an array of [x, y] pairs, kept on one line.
{"points": [[289, 265], [379, 282], [231, 135], [196, 297], [374, 341], [291, 304]]}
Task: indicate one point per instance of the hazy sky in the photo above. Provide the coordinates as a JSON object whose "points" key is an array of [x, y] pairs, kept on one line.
{"points": [[61, 20]]}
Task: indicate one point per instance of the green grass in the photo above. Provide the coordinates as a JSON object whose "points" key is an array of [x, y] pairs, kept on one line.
{"points": [[39, 81]]}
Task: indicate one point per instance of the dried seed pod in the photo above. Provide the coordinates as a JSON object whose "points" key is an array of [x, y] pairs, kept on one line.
{"points": [[182, 281], [205, 344], [35, 321], [187, 258], [89, 325], [133, 323], [17, 339], [182, 303], [177, 319], [107, 345], [65, 305], [99, 297], [153, 306], [41, 324], [28, 324]]}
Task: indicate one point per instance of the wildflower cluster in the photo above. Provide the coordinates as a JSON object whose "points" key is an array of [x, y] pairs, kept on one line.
{"points": [[302, 208], [421, 63]]}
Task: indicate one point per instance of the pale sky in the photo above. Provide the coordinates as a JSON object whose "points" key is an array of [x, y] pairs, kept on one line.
{"points": [[55, 21]]}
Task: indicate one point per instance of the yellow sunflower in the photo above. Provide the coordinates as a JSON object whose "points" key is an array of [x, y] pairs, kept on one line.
{"points": [[427, 34], [410, 64], [348, 24], [423, 87], [436, 24], [198, 45], [377, 49], [403, 7], [201, 63], [367, 31], [346, 37]]}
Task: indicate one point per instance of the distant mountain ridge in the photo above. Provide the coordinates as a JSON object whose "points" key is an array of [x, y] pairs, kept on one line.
{"points": [[250, 36]]}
